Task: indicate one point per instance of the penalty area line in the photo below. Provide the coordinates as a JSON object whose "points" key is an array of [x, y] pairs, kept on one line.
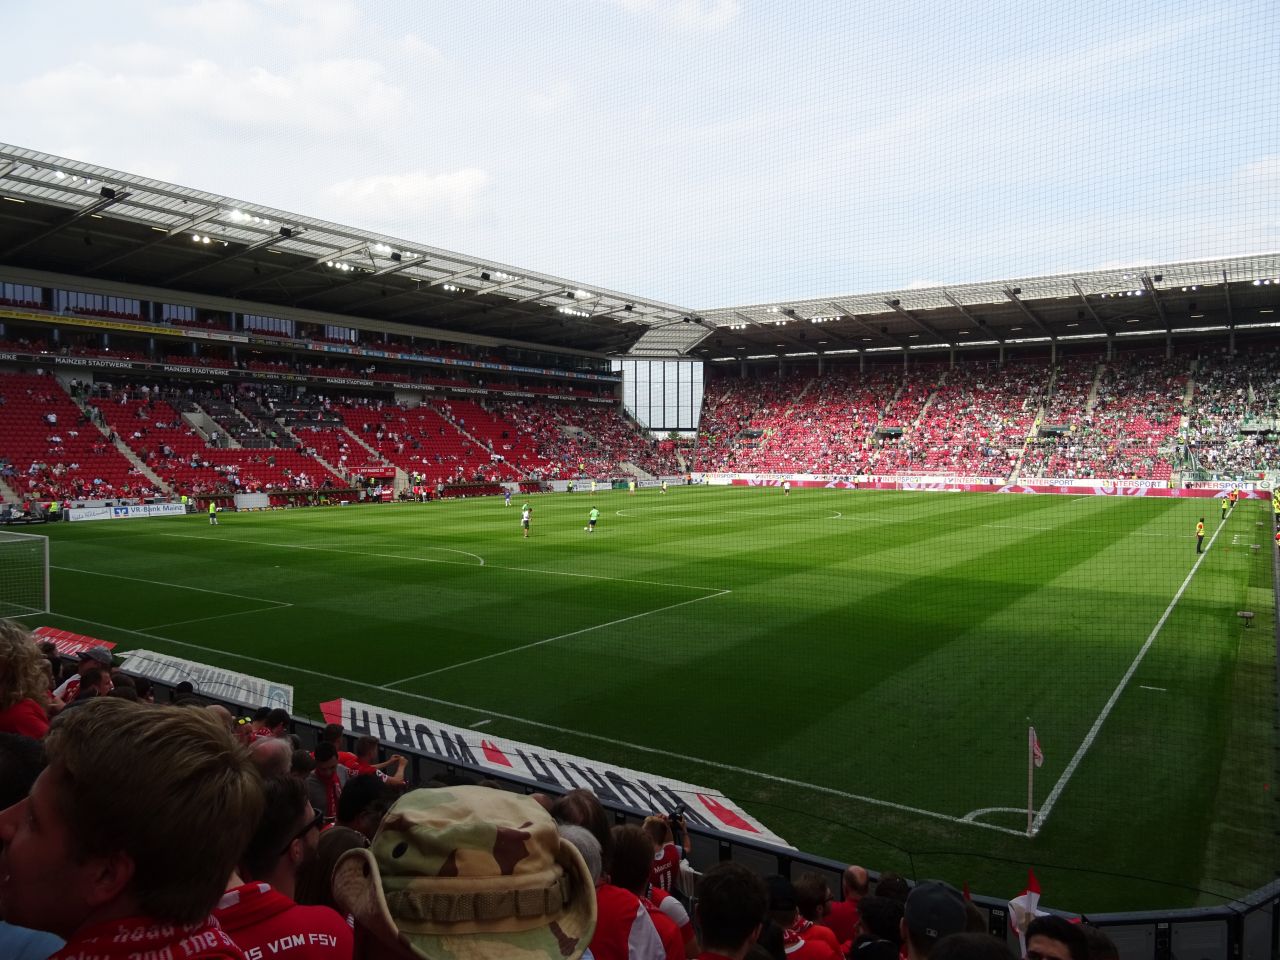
{"points": [[566, 731], [1092, 735]]}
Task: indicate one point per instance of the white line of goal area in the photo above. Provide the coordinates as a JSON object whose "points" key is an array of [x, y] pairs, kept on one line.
{"points": [[1043, 814], [272, 604], [567, 731]]}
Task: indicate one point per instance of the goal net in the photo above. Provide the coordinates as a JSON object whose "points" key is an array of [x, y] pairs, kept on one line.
{"points": [[24, 574]]}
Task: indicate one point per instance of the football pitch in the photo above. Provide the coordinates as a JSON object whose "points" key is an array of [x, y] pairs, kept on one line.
{"points": [[857, 669]]}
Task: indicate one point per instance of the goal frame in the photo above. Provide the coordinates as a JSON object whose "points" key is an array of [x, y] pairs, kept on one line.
{"points": [[11, 536]]}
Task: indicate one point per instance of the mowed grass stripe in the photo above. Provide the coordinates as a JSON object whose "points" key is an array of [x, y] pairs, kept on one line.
{"points": [[887, 649]]}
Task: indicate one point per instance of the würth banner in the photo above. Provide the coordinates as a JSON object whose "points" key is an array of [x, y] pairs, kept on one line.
{"points": [[562, 771]]}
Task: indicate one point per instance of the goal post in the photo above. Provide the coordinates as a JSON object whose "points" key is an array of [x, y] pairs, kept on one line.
{"points": [[24, 574]]}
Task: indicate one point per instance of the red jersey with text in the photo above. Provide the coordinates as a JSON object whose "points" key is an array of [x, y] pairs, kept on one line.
{"points": [[623, 928], [144, 937], [666, 867], [267, 924]]}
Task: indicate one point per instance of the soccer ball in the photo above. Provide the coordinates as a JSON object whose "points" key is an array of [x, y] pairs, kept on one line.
{"points": [[586, 528]]}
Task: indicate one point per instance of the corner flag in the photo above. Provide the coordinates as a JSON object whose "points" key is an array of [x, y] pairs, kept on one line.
{"points": [[1037, 755]]}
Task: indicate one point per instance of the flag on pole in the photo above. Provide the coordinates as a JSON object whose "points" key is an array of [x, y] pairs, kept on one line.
{"points": [[1024, 908], [1037, 755]]}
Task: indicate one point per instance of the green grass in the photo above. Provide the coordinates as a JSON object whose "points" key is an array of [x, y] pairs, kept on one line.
{"points": [[883, 646]]}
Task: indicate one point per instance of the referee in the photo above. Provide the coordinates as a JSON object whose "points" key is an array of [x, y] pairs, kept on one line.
{"points": [[1200, 536]]}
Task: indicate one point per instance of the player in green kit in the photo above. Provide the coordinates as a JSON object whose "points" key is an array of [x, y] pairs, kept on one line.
{"points": [[592, 517]]}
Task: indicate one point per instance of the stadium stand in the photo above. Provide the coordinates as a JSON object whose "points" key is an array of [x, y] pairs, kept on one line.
{"points": [[53, 450]]}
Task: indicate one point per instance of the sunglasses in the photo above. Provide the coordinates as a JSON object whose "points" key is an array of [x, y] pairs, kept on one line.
{"points": [[315, 823]]}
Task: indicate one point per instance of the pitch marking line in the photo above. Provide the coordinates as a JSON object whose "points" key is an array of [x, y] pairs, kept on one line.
{"points": [[457, 563], [538, 643], [176, 586], [496, 715], [1092, 735], [1143, 686], [972, 815]]}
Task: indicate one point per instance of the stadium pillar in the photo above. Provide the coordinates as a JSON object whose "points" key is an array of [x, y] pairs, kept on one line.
{"points": [[1002, 354], [1231, 341], [1111, 347], [1053, 352], [821, 357], [953, 358], [904, 359], [1168, 343]]}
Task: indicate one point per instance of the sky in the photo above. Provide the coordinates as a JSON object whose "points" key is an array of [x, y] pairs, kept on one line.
{"points": [[706, 153]]}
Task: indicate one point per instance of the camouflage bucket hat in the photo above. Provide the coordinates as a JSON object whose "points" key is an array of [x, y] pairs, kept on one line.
{"points": [[469, 872]]}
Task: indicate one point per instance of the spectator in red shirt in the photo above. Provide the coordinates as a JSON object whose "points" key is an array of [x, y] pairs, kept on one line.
{"points": [[666, 856], [801, 939], [730, 911], [332, 733], [95, 657], [24, 683], [258, 909], [632, 856], [367, 762], [84, 859], [842, 915], [94, 682]]}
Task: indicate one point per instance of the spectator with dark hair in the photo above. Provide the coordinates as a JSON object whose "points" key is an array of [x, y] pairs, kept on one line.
{"points": [[24, 689], [146, 692], [277, 723], [971, 946], [879, 929], [367, 763], [85, 859], [842, 915], [302, 764], [813, 897], [21, 760], [1101, 946], [933, 910], [315, 878], [1056, 938], [893, 886], [632, 857], [325, 783], [258, 909], [257, 725], [332, 733], [86, 660], [801, 939], [363, 804], [730, 910], [94, 682], [582, 808]]}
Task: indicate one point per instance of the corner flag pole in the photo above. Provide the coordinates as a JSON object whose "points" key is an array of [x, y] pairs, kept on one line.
{"points": [[1031, 776]]}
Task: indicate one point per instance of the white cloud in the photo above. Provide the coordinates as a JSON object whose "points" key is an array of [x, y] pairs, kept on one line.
{"points": [[704, 15], [325, 97], [408, 198]]}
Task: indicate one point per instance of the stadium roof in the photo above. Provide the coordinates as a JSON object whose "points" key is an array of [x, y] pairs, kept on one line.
{"points": [[90, 221], [93, 222], [1186, 297]]}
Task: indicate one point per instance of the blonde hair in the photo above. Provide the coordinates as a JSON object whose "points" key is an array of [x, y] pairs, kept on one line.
{"points": [[22, 672], [167, 786]]}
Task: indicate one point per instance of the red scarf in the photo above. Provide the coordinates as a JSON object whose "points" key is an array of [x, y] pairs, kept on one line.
{"points": [[136, 937], [795, 933], [332, 790]]}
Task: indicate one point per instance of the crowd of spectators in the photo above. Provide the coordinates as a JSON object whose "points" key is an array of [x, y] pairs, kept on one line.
{"points": [[133, 829]]}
